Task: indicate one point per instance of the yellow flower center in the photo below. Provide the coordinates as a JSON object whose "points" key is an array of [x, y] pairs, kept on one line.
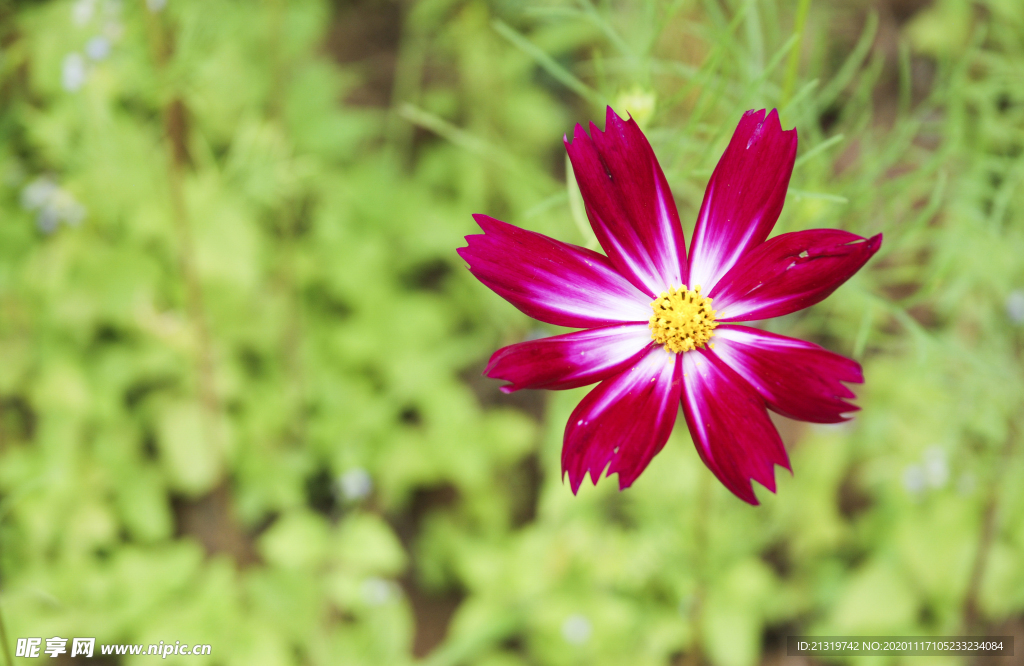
{"points": [[683, 320]]}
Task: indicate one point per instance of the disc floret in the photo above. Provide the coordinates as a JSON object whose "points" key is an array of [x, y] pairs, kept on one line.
{"points": [[683, 319]]}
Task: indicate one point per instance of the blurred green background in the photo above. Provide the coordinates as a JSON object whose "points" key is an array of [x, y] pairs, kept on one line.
{"points": [[241, 399]]}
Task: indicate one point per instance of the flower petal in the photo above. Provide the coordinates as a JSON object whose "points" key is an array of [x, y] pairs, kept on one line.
{"points": [[624, 421], [570, 360], [790, 272], [744, 196], [549, 280], [629, 203], [730, 426], [797, 379]]}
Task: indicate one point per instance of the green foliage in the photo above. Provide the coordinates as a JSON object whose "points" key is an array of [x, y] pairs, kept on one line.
{"points": [[239, 358]]}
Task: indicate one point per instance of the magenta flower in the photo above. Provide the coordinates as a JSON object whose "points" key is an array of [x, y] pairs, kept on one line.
{"points": [[650, 335]]}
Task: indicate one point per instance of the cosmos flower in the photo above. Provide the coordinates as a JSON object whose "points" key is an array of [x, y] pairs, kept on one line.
{"points": [[660, 325]]}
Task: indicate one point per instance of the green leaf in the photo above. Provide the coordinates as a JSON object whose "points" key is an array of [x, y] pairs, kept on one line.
{"points": [[188, 456]]}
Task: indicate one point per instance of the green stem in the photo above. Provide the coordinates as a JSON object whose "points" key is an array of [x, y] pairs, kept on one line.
{"points": [[695, 655], [794, 55], [971, 611], [176, 146]]}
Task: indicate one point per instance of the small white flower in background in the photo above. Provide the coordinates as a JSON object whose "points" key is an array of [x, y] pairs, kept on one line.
{"points": [[52, 204], [68, 209], [37, 193], [1015, 307], [82, 11], [73, 72], [931, 473], [377, 591], [936, 469], [914, 480], [576, 629], [98, 48], [47, 220], [355, 484], [156, 5]]}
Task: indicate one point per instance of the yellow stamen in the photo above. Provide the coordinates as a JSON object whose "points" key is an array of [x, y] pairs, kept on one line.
{"points": [[683, 320]]}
